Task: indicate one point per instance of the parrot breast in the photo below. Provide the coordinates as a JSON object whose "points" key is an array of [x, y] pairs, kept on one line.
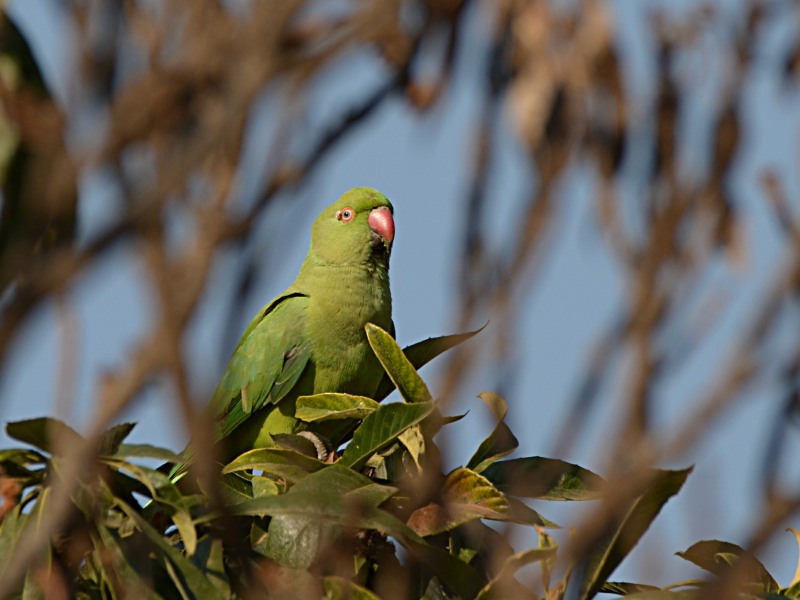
{"points": [[352, 297]]}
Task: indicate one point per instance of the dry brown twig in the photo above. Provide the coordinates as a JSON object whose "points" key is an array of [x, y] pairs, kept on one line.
{"points": [[557, 76]]}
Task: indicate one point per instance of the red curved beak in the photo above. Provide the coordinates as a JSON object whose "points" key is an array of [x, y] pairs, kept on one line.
{"points": [[381, 222]]}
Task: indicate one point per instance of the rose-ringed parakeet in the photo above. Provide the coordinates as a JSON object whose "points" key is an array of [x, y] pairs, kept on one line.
{"points": [[311, 338]]}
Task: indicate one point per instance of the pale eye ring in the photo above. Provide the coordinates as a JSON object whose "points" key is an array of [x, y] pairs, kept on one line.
{"points": [[346, 214]]}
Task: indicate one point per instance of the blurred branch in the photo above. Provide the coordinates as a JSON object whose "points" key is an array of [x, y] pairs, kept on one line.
{"points": [[188, 109], [166, 96], [37, 176]]}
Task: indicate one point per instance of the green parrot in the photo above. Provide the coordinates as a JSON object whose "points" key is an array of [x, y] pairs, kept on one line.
{"points": [[311, 338]]}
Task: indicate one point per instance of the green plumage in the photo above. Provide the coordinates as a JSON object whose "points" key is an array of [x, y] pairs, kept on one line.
{"points": [[311, 338]]}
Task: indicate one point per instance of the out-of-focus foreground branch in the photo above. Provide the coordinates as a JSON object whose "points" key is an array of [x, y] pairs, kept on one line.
{"points": [[164, 102], [665, 202], [176, 84]]}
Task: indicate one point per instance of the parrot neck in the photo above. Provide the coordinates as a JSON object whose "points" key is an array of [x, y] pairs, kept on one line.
{"points": [[361, 289], [370, 276], [317, 271], [342, 299]]}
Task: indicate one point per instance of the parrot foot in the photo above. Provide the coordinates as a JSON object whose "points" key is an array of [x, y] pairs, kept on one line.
{"points": [[322, 445]]}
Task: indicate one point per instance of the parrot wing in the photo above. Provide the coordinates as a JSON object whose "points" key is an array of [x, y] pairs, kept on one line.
{"points": [[266, 364]]}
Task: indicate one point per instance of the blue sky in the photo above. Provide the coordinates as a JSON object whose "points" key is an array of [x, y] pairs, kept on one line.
{"points": [[420, 163]]}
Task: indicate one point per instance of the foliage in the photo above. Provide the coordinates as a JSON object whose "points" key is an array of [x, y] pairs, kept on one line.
{"points": [[86, 516], [383, 520]]}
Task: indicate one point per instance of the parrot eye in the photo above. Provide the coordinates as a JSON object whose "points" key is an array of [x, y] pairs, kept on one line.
{"points": [[346, 214]]}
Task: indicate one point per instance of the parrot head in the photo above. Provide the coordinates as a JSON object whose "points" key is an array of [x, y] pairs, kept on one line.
{"points": [[355, 228]]}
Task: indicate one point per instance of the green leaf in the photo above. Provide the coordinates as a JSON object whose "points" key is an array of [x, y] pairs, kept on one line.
{"points": [[339, 588], [23, 465], [504, 585], [22, 456], [124, 485], [474, 492], [622, 588], [500, 442], [434, 590], [236, 487], [158, 485], [125, 582], [793, 590], [112, 438], [340, 496], [264, 486], [373, 494], [458, 576], [279, 462], [188, 578], [433, 519], [17, 525], [146, 451], [382, 428], [519, 512], [320, 495], [32, 586], [183, 521], [668, 595], [719, 558], [413, 441], [545, 478], [452, 419], [10, 529], [299, 443], [42, 431], [402, 373], [387, 464], [469, 496], [624, 532], [423, 352], [330, 407], [547, 566], [311, 514], [296, 542]]}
